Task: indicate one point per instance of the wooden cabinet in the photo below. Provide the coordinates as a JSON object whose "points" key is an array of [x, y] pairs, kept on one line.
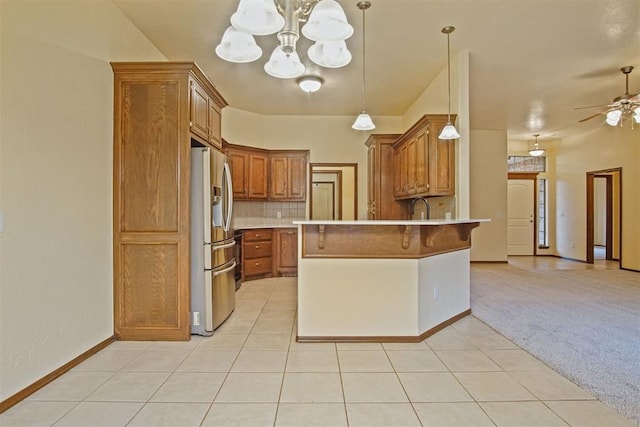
{"points": [[257, 248], [424, 165], [286, 252], [153, 134], [204, 115], [381, 180], [260, 174], [288, 175], [249, 169]]}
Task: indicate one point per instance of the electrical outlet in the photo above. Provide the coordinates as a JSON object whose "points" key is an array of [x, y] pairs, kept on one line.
{"points": [[435, 294], [278, 214], [573, 244], [196, 318]]}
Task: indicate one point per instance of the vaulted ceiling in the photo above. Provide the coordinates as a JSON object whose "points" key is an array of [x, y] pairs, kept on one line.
{"points": [[531, 61]]}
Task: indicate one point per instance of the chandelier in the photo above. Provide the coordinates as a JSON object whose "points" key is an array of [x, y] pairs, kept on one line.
{"points": [[536, 150], [325, 24]]}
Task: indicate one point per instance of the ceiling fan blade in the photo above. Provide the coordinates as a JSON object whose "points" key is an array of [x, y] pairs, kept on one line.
{"points": [[590, 117], [593, 106]]}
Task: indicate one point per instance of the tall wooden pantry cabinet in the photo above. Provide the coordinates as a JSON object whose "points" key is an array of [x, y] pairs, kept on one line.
{"points": [[161, 109]]}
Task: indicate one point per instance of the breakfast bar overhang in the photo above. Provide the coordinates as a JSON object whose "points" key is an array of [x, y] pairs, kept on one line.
{"points": [[382, 281]]}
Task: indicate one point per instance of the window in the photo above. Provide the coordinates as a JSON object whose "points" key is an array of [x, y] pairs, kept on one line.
{"points": [[543, 238], [526, 164]]}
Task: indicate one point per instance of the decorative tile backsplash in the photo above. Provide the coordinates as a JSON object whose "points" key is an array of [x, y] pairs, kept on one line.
{"points": [[288, 210]]}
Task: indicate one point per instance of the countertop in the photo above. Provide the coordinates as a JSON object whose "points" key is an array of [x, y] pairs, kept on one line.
{"points": [[252, 223], [392, 222]]}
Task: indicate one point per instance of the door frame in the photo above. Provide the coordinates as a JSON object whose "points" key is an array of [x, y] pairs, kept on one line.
{"points": [[530, 176], [608, 175]]}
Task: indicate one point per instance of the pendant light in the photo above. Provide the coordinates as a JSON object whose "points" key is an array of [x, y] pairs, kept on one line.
{"points": [[536, 150], [449, 131], [363, 121]]}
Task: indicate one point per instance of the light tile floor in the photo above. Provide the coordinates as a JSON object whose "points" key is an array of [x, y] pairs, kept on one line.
{"points": [[253, 373]]}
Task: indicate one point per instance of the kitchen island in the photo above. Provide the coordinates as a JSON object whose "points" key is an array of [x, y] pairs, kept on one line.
{"points": [[382, 281]]}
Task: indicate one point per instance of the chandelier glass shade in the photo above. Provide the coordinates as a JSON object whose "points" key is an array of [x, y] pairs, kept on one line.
{"points": [[310, 83], [449, 131], [536, 151], [326, 25]]}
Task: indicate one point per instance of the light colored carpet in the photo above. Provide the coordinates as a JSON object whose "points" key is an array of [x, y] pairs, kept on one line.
{"points": [[585, 324]]}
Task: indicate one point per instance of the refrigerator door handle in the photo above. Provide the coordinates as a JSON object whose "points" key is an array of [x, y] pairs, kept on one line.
{"points": [[229, 187], [226, 270], [224, 246]]}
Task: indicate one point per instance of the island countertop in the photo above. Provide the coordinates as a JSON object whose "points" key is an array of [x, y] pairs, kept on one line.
{"points": [[390, 222]]}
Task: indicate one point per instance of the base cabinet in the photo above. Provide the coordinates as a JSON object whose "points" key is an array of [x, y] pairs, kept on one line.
{"points": [[286, 251], [257, 248]]}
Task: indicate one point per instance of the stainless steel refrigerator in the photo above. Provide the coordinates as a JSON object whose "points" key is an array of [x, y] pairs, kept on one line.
{"points": [[213, 295]]}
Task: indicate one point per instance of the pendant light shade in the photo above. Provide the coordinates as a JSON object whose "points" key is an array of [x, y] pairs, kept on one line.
{"points": [[257, 17], [536, 150], [327, 22], [363, 121], [283, 65], [237, 46], [449, 131]]}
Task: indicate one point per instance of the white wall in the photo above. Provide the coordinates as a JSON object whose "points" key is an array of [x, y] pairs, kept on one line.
{"points": [[56, 280], [488, 190], [601, 149]]}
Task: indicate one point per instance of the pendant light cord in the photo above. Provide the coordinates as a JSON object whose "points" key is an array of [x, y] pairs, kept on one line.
{"points": [[448, 79], [363, 59]]}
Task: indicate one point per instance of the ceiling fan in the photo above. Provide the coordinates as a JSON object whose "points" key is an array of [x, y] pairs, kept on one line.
{"points": [[623, 105]]}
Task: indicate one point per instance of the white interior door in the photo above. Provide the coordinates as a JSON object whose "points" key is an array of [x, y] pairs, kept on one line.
{"points": [[520, 223]]}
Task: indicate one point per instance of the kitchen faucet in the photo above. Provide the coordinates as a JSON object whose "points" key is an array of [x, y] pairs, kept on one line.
{"points": [[412, 207]]}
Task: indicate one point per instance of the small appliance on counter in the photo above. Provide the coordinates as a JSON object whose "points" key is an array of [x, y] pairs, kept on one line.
{"points": [[212, 241]]}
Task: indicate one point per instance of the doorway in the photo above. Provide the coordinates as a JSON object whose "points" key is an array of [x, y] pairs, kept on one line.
{"points": [[604, 215], [521, 214], [338, 201]]}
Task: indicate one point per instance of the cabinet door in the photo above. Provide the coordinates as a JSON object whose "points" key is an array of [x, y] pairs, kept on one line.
{"points": [[296, 178], [397, 173], [286, 251], [422, 162], [199, 111], [372, 167], [215, 132], [443, 164], [258, 176], [239, 163], [278, 188]]}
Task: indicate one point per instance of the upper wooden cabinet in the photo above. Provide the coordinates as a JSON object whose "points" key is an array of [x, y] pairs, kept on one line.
{"points": [[204, 114], [424, 165], [260, 174], [249, 169], [380, 179], [153, 133], [288, 175]]}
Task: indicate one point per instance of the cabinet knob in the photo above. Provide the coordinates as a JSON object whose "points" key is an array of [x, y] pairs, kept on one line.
{"points": [[258, 246], [291, 232], [257, 264]]}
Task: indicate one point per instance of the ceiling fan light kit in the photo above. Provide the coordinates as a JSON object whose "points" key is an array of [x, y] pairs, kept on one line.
{"points": [[627, 105], [449, 131], [326, 25]]}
